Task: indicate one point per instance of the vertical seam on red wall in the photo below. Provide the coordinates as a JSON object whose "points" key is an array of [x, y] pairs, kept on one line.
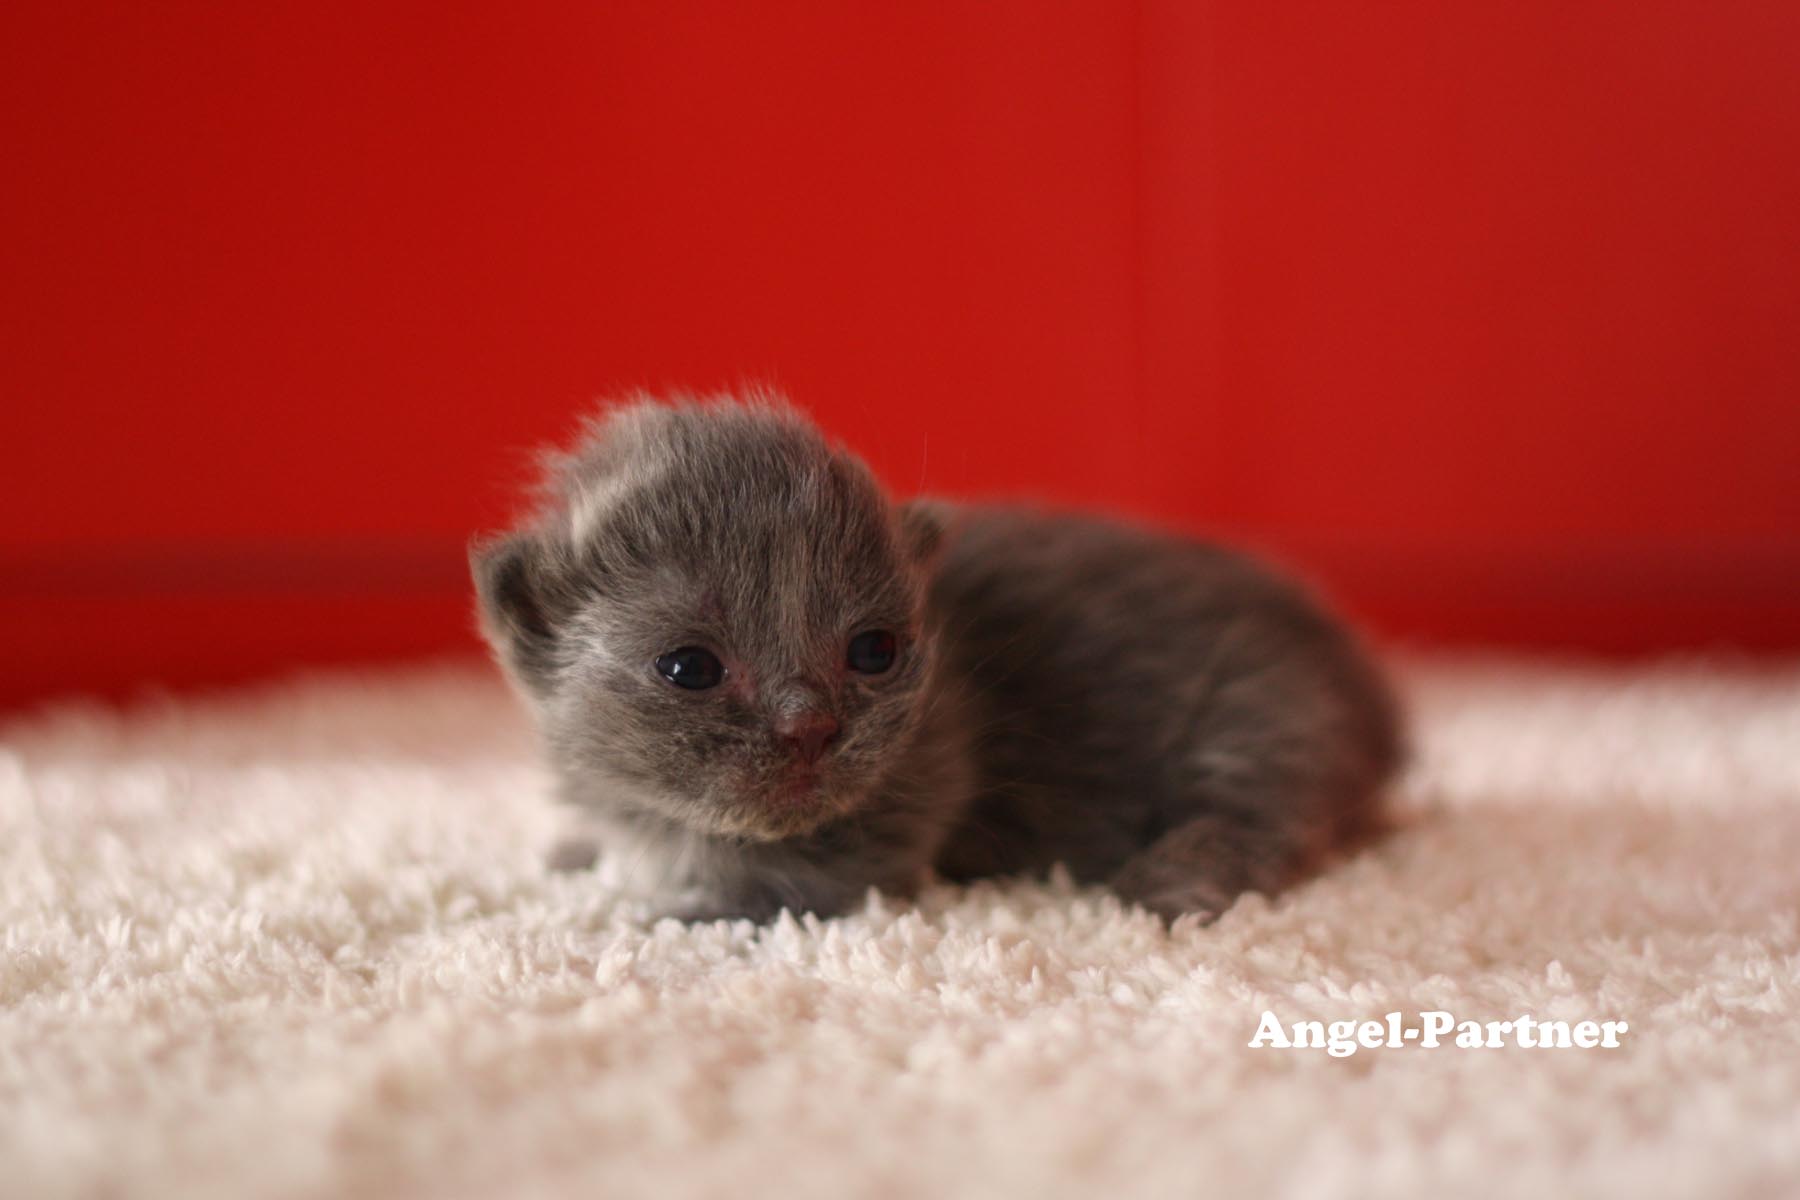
{"points": [[1138, 237]]}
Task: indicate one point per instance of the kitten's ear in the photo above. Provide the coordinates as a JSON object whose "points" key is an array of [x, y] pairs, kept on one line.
{"points": [[515, 589], [923, 526]]}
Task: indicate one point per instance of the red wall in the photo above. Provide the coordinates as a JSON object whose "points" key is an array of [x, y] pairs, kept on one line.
{"points": [[1485, 314]]}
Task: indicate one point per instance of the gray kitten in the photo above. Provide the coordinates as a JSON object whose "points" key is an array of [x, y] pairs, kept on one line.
{"points": [[765, 685]]}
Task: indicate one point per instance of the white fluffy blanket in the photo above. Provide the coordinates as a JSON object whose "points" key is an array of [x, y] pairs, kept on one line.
{"points": [[298, 942]]}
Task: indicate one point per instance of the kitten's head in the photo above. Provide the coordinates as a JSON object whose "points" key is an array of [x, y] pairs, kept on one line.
{"points": [[717, 616]]}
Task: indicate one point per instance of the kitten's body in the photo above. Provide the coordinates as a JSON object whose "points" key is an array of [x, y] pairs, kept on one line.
{"points": [[1159, 715]]}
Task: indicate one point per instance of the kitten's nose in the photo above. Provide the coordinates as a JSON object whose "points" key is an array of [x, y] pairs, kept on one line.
{"points": [[807, 733]]}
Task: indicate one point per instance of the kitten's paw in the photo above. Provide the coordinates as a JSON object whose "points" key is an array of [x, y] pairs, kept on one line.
{"points": [[1170, 898], [755, 905], [572, 854], [1202, 867], [704, 910]]}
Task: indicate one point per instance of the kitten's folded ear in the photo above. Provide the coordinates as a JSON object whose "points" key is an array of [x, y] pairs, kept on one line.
{"points": [[516, 591], [924, 523]]}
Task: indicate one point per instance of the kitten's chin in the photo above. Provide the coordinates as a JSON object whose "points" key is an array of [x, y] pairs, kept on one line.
{"points": [[791, 807]]}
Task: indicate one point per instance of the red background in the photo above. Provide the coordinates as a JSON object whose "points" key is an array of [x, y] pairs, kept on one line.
{"points": [[1484, 314]]}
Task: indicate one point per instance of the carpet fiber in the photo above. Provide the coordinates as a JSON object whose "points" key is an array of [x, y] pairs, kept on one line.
{"points": [[297, 942]]}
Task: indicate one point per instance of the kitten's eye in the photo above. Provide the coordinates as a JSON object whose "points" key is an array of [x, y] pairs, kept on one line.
{"points": [[872, 652], [691, 667]]}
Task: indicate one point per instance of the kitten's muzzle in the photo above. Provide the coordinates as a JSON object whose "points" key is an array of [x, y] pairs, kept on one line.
{"points": [[807, 734]]}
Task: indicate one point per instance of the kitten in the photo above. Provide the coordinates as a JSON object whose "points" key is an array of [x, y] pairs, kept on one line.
{"points": [[765, 685]]}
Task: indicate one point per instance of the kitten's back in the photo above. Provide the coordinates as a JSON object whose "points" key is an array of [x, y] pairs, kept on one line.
{"points": [[1124, 682]]}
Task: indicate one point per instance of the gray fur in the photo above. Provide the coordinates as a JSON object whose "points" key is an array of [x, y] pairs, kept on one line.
{"points": [[1160, 715]]}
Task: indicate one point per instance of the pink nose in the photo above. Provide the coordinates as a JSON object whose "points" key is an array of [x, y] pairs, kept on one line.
{"points": [[807, 734]]}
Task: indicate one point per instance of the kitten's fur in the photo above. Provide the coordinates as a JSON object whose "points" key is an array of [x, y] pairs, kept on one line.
{"points": [[1160, 715]]}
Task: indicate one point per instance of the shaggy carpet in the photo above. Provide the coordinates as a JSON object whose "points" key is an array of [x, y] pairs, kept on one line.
{"points": [[297, 942]]}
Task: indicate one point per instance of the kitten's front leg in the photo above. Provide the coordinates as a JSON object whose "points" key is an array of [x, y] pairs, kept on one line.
{"points": [[694, 879], [572, 852], [703, 910], [579, 852], [1205, 864], [758, 902]]}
